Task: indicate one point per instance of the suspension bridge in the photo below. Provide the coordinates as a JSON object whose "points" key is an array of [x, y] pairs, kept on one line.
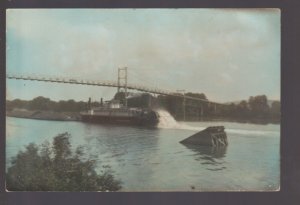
{"points": [[121, 83]]}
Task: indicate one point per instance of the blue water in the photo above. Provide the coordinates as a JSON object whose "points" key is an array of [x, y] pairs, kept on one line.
{"points": [[154, 160]]}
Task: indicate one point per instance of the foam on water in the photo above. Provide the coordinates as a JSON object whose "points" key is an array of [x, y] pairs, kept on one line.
{"points": [[252, 132], [167, 121]]}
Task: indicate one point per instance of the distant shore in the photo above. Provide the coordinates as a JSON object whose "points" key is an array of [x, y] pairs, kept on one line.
{"points": [[75, 116], [44, 115]]}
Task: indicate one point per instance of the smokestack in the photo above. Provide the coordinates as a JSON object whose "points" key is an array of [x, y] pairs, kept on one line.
{"points": [[89, 103]]}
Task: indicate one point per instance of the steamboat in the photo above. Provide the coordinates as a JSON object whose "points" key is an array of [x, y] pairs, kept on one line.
{"points": [[113, 112]]}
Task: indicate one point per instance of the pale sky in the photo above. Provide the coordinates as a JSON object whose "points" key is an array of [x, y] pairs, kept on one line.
{"points": [[228, 54]]}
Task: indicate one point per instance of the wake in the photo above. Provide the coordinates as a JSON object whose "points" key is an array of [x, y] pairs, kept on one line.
{"points": [[167, 121]]}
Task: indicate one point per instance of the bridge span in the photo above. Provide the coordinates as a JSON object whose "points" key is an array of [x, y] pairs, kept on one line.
{"points": [[106, 84]]}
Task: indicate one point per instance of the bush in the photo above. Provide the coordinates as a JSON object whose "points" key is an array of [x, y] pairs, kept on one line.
{"points": [[56, 168]]}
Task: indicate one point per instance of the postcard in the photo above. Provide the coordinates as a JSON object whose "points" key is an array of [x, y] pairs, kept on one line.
{"points": [[143, 100]]}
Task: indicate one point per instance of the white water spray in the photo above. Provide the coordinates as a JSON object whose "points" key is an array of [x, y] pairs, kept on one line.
{"points": [[167, 121]]}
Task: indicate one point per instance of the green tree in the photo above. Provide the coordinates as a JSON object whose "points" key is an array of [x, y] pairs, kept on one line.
{"points": [[275, 109], [17, 103], [120, 96], [56, 168], [39, 103], [259, 105], [242, 109]]}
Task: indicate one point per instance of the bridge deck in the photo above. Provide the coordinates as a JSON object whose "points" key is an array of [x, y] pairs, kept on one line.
{"points": [[106, 84]]}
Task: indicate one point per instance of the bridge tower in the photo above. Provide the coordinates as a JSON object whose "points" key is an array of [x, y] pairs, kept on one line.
{"points": [[122, 81]]}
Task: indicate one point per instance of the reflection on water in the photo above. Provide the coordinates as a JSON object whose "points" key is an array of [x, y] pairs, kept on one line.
{"points": [[212, 157], [147, 159]]}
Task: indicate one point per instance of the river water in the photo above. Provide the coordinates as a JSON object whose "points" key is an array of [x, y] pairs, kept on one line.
{"points": [[153, 159]]}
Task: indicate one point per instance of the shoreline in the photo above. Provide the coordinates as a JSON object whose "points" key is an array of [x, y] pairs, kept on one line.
{"points": [[44, 115], [75, 116]]}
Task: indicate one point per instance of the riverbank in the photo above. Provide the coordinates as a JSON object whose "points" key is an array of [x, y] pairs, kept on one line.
{"points": [[261, 121], [75, 116], [44, 115]]}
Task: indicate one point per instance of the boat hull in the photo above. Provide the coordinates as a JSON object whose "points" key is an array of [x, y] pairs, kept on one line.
{"points": [[149, 121]]}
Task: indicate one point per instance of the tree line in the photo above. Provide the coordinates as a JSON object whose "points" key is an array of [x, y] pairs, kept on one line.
{"points": [[256, 107], [45, 104]]}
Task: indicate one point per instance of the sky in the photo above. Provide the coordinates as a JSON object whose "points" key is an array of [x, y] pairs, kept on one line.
{"points": [[228, 54]]}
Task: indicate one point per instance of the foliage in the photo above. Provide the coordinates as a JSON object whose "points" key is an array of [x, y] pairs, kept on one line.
{"points": [[55, 168], [143, 100], [256, 107], [120, 96], [259, 105], [275, 109], [45, 104]]}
